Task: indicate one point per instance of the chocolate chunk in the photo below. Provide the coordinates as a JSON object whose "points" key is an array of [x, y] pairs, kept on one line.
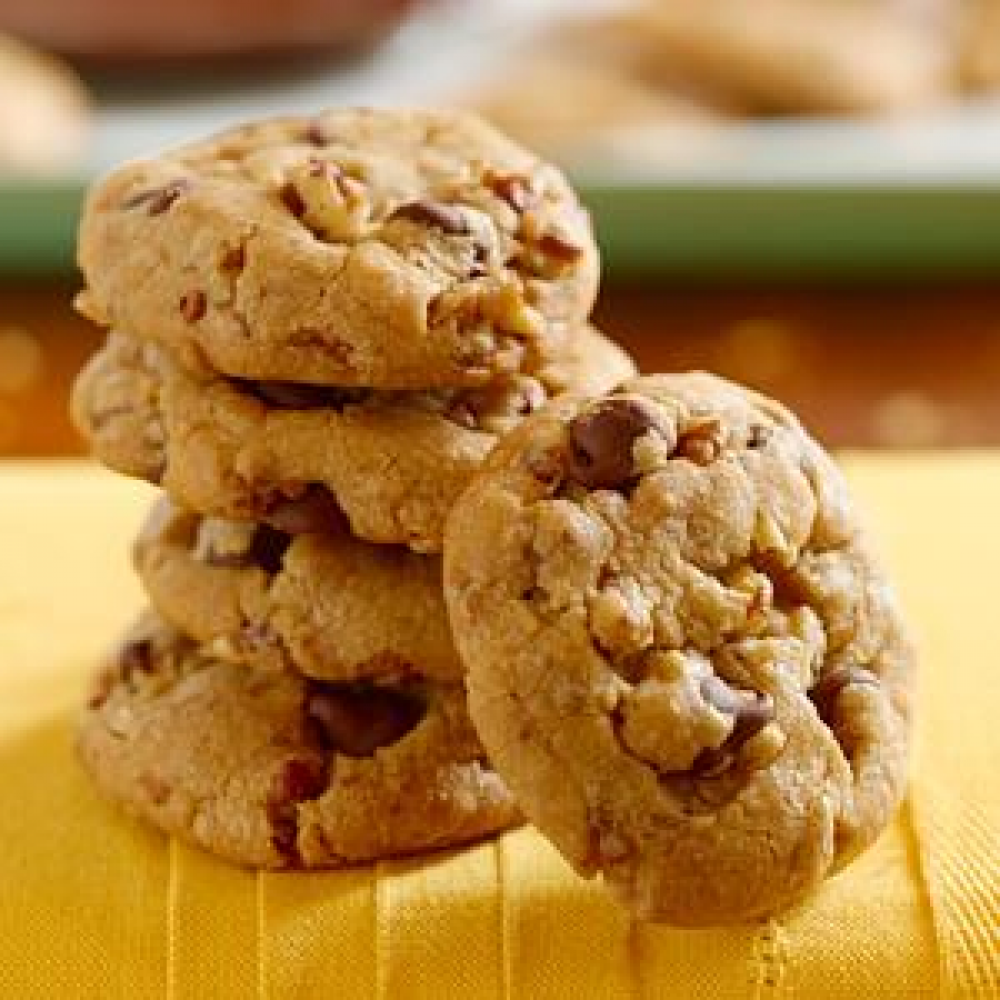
{"points": [[826, 692], [313, 510], [267, 549], [157, 200], [514, 190], [234, 259], [356, 721], [193, 306], [292, 200], [301, 396], [751, 715], [447, 218], [601, 440], [315, 134], [299, 780], [135, 656], [759, 436]]}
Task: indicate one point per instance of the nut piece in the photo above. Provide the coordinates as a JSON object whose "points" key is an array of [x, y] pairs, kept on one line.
{"points": [[513, 189], [499, 406], [602, 438], [332, 204], [827, 691], [357, 721], [701, 442]]}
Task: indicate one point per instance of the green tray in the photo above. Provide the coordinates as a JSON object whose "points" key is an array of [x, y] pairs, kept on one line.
{"points": [[691, 231]]}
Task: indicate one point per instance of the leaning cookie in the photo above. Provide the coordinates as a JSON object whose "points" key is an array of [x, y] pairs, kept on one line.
{"points": [[271, 770], [398, 249], [682, 654], [295, 455], [325, 604]]}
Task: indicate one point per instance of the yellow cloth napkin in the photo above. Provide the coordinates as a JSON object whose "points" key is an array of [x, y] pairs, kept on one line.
{"points": [[95, 905]]}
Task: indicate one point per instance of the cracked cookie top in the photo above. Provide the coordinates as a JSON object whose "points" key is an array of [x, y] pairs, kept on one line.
{"points": [[396, 249], [682, 653], [270, 769]]}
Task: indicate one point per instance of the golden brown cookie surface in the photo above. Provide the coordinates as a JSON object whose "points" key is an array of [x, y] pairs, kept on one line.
{"points": [[270, 770], [322, 603], [682, 654], [297, 455], [398, 249]]}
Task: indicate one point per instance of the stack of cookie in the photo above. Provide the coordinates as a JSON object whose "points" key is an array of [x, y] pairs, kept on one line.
{"points": [[318, 330]]}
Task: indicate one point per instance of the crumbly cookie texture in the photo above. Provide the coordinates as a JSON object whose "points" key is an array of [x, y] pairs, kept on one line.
{"points": [[271, 770], [325, 604], [300, 456], [682, 654], [397, 249]]}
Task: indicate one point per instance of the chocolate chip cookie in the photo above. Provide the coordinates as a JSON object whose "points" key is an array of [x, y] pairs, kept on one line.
{"points": [[683, 655], [396, 249], [296, 455], [325, 604], [271, 770]]}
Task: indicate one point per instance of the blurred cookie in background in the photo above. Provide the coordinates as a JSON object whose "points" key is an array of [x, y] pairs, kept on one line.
{"points": [[125, 30], [44, 112], [791, 56], [980, 45], [583, 77]]}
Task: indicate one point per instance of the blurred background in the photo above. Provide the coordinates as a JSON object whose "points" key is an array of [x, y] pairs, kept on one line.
{"points": [[800, 194]]}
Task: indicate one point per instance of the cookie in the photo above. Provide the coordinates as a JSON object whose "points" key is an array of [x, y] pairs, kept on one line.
{"points": [[979, 45], [271, 770], [683, 656], [396, 249], [295, 455], [325, 604], [786, 56]]}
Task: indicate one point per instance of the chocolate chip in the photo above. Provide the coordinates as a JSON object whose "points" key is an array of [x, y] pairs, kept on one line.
{"points": [[292, 200], [136, 656], [701, 442], [313, 510], [315, 134], [233, 260], [299, 780], [447, 218], [193, 306], [356, 721], [267, 549], [751, 715], [759, 436], [157, 200], [514, 190], [300, 396], [601, 440], [826, 692]]}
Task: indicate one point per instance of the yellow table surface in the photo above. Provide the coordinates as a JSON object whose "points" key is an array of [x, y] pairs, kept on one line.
{"points": [[92, 904]]}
